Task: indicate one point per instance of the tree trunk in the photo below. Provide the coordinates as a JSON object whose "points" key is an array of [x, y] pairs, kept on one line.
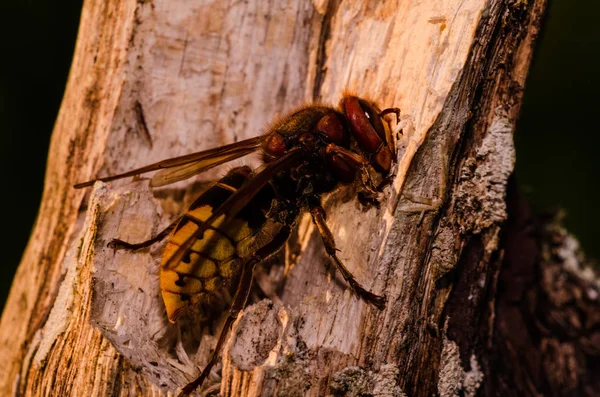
{"points": [[156, 79]]}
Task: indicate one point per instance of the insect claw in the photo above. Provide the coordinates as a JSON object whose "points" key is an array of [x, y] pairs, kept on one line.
{"points": [[378, 301], [113, 244], [386, 182], [385, 112], [368, 200], [117, 244]]}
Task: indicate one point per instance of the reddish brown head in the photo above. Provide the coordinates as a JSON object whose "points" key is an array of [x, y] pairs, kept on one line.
{"points": [[325, 133], [368, 129]]}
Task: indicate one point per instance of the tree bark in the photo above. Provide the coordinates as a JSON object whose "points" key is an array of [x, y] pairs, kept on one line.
{"points": [[155, 79]]}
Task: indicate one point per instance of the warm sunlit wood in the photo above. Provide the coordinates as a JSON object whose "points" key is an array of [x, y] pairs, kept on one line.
{"points": [[83, 320]]}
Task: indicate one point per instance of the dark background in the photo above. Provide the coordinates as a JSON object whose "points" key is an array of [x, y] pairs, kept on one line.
{"points": [[557, 134]]}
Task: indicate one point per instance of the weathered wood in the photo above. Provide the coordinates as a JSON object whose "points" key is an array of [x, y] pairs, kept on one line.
{"points": [[84, 320], [546, 339]]}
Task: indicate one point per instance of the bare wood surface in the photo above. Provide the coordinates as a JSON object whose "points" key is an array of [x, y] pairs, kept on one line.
{"points": [[84, 320]]}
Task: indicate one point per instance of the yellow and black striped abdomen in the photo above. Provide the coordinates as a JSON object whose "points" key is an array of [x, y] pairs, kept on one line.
{"points": [[213, 264]]}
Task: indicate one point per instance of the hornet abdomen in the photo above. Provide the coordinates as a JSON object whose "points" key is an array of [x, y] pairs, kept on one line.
{"points": [[209, 272]]}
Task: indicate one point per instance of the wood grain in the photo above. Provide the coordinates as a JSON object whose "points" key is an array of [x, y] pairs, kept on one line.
{"points": [[84, 320]]}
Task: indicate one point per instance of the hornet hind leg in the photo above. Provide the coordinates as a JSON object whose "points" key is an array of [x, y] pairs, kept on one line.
{"points": [[318, 215]]}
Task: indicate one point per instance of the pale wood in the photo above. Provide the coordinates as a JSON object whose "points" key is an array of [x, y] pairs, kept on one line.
{"points": [[84, 320]]}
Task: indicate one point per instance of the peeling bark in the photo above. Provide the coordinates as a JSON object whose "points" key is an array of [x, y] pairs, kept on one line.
{"points": [[156, 79]]}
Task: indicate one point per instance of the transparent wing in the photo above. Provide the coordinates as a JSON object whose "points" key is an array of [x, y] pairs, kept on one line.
{"points": [[178, 168], [181, 172]]}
